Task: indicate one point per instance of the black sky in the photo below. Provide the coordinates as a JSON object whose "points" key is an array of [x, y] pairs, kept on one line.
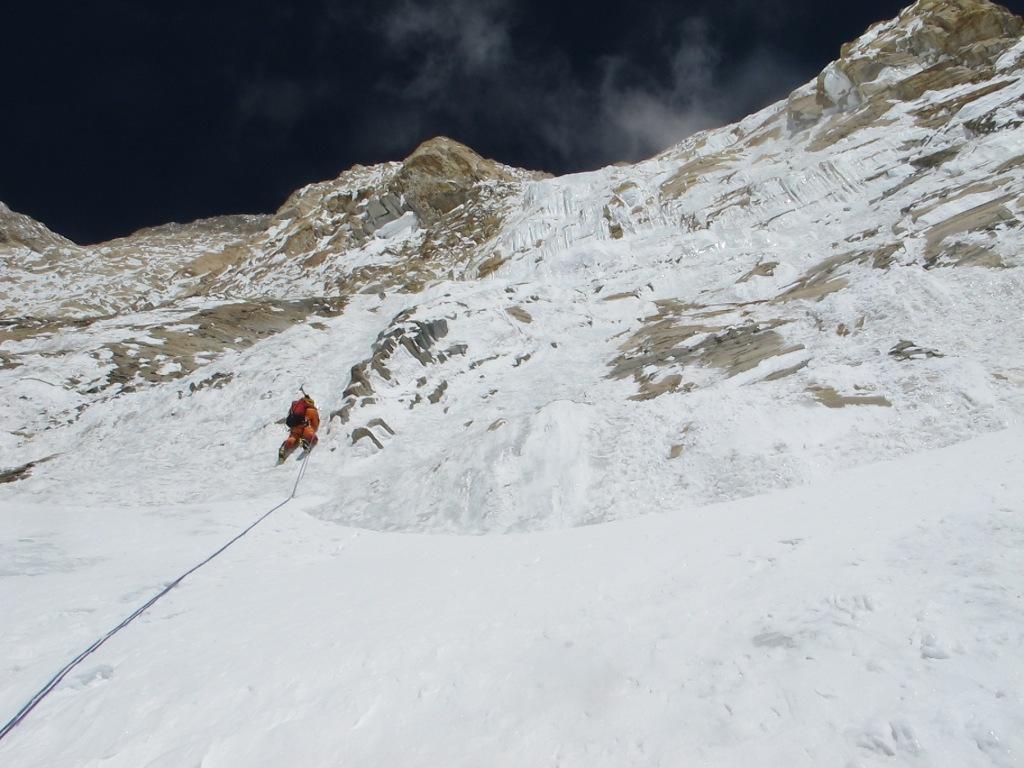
{"points": [[119, 115]]}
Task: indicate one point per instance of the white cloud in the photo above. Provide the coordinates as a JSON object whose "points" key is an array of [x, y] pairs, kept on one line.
{"points": [[453, 39], [642, 117]]}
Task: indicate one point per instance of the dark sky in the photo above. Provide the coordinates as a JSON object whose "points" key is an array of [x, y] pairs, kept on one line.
{"points": [[123, 114]]}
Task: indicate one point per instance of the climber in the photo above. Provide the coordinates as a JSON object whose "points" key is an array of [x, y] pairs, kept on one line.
{"points": [[303, 420]]}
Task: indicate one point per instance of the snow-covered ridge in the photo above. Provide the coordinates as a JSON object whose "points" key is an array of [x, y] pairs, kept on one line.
{"points": [[732, 315]]}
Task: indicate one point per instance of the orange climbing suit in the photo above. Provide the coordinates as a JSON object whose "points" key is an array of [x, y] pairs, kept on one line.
{"points": [[303, 432]]}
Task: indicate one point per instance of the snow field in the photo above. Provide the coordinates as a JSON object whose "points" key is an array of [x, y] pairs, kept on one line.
{"points": [[873, 619]]}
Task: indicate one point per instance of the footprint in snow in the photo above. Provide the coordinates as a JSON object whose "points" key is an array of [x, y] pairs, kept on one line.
{"points": [[93, 676], [896, 736], [773, 640], [852, 606], [932, 648]]}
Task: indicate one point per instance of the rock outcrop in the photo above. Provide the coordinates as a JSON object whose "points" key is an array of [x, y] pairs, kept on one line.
{"points": [[406, 339], [440, 175], [932, 45], [20, 231]]}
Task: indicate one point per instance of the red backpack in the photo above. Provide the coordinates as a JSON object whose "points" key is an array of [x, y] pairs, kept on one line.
{"points": [[296, 414]]}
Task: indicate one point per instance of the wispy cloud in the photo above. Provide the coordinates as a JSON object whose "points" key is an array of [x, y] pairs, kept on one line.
{"points": [[464, 71], [471, 69], [642, 116], [451, 40]]}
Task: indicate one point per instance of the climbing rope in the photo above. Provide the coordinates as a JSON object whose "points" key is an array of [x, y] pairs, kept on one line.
{"points": [[54, 681]]}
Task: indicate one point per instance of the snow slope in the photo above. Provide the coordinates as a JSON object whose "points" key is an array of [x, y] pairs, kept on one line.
{"points": [[872, 619]]}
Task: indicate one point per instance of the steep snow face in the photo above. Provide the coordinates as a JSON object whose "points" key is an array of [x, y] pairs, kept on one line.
{"points": [[832, 281]]}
